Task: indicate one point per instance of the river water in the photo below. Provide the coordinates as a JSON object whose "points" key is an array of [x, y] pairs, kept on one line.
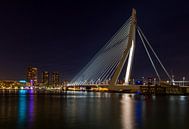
{"points": [[88, 110]]}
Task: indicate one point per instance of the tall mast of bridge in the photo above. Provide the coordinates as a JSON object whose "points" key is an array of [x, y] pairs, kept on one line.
{"points": [[128, 53]]}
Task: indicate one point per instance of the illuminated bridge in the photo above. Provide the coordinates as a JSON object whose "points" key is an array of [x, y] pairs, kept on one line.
{"points": [[116, 55]]}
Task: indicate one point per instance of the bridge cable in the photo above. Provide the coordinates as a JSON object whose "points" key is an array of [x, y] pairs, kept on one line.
{"points": [[148, 54], [168, 75], [103, 64]]}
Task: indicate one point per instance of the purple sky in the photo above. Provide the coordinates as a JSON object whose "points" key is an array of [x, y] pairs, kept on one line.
{"points": [[64, 35]]}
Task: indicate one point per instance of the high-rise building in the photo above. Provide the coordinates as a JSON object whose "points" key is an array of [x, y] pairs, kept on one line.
{"points": [[55, 78], [45, 78], [32, 75]]}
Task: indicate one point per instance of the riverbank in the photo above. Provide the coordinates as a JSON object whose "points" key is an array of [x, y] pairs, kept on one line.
{"points": [[140, 90]]}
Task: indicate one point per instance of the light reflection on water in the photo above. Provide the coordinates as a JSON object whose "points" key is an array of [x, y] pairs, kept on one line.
{"points": [[127, 112], [22, 108], [84, 110], [131, 108], [25, 109], [84, 94]]}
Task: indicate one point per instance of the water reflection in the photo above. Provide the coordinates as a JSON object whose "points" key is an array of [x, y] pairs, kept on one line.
{"points": [[22, 108], [132, 111], [31, 109], [25, 109], [93, 110], [138, 113], [127, 115]]}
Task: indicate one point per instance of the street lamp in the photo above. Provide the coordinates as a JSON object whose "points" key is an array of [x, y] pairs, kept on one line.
{"points": [[183, 78]]}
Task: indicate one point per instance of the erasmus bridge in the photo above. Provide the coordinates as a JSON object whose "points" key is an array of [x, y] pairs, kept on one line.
{"points": [[116, 57]]}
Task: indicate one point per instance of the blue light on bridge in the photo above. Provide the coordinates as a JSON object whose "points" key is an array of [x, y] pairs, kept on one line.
{"points": [[139, 82]]}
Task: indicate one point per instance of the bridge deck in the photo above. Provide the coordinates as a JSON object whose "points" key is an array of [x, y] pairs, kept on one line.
{"points": [[150, 90]]}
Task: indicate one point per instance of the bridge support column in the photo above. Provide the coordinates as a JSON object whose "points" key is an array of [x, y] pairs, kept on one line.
{"points": [[128, 51], [130, 62]]}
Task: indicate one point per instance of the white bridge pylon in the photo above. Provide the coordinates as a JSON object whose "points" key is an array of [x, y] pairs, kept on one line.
{"points": [[130, 61], [106, 66]]}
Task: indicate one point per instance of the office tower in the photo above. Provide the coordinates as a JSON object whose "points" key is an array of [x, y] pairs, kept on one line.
{"points": [[32, 75], [55, 78], [45, 78]]}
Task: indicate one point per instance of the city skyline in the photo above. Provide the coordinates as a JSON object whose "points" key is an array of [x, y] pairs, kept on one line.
{"points": [[65, 36]]}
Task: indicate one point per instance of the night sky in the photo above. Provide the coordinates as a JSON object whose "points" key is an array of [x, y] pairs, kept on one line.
{"points": [[64, 35]]}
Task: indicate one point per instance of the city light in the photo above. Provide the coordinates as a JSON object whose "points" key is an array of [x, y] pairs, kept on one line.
{"points": [[22, 81]]}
